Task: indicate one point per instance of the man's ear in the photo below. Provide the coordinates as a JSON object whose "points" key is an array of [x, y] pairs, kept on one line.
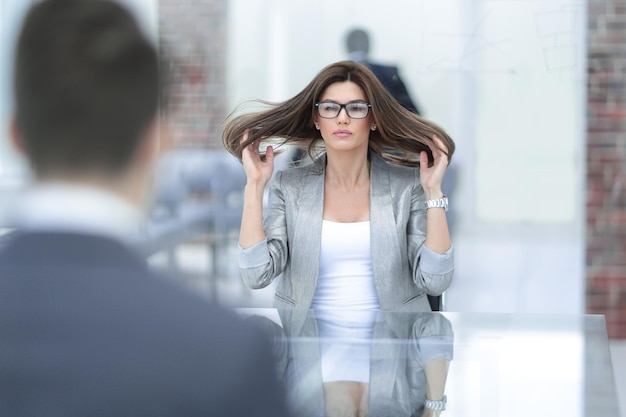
{"points": [[166, 135], [16, 137], [154, 142]]}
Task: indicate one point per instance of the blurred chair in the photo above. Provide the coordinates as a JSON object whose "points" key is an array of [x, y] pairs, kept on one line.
{"points": [[210, 213], [165, 228], [216, 182], [176, 214]]}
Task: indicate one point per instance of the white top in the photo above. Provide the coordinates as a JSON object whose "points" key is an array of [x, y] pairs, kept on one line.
{"points": [[346, 278], [346, 282]]}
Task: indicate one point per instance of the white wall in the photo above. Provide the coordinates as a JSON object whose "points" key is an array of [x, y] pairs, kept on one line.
{"points": [[505, 78]]}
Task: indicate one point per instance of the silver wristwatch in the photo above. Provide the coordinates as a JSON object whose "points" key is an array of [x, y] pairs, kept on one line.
{"points": [[436, 405], [438, 203]]}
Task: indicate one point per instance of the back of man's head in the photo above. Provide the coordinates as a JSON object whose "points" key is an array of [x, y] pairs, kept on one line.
{"points": [[357, 40], [86, 86]]}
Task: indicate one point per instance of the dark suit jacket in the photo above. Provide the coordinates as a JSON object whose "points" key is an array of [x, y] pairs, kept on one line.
{"points": [[389, 76], [87, 330]]}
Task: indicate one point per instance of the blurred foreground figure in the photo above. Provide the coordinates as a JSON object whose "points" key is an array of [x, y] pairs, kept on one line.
{"points": [[85, 328]]}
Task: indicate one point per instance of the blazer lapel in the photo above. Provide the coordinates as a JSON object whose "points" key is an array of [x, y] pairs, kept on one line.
{"points": [[383, 233], [308, 228]]}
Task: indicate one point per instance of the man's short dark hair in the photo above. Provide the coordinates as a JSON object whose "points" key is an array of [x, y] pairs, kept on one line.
{"points": [[86, 86]]}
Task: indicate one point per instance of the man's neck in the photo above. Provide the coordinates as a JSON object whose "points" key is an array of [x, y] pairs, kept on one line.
{"points": [[72, 207], [121, 186]]}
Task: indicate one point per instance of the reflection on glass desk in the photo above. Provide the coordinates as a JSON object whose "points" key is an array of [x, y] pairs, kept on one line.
{"points": [[497, 365]]}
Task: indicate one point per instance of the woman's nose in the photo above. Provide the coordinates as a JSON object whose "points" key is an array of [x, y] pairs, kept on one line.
{"points": [[343, 117]]}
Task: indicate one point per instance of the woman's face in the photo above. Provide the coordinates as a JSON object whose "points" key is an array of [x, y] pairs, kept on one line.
{"points": [[342, 132]]}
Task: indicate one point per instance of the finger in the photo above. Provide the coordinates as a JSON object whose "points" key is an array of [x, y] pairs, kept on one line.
{"points": [[440, 152], [245, 148], [423, 159], [440, 145], [244, 137], [251, 151], [253, 147], [269, 154]]}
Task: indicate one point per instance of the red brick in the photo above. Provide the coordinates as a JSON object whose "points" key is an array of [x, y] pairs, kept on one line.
{"points": [[193, 33]]}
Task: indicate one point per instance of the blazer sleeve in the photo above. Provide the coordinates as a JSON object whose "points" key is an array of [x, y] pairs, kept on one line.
{"points": [[260, 264], [432, 271]]}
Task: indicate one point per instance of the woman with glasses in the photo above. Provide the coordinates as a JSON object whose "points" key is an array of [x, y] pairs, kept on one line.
{"points": [[370, 201], [361, 227]]}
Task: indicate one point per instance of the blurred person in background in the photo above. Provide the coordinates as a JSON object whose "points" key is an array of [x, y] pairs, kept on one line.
{"points": [[85, 328], [361, 228], [358, 46]]}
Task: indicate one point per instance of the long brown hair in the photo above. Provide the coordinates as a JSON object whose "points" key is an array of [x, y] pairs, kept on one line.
{"points": [[400, 137]]}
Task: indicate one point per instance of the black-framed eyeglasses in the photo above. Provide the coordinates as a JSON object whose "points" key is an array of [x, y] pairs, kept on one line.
{"points": [[354, 109]]}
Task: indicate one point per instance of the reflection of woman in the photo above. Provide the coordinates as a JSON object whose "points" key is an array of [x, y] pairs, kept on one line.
{"points": [[408, 362], [360, 228]]}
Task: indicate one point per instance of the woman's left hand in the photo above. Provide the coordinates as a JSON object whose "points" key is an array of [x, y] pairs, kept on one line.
{"points": [[432, 177]]}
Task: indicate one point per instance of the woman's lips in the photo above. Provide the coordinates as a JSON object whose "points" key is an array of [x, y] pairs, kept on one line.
{"points": [[342, 133]]}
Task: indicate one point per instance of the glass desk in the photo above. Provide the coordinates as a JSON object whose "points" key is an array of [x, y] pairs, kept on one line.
{"points": [[500, 365]]}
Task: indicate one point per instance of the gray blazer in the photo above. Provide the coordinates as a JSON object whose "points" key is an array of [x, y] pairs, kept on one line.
{"points": [[404, 269]]}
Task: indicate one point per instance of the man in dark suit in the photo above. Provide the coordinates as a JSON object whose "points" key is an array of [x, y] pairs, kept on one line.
{"points": [[85, 328], [358, 45]]}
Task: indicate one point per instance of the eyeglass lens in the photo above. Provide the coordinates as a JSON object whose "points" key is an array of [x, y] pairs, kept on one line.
{"points": [[355, 110]]}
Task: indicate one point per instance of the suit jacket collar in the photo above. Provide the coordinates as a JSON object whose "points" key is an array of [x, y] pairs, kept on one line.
{"points": [[66, 249]]}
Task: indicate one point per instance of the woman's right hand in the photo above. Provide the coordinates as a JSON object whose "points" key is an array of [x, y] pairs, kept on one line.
{"points": [[258, 171]]}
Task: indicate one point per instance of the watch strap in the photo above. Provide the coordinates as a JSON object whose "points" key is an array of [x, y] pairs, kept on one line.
{"points": [[436, 405], [438, 203]]}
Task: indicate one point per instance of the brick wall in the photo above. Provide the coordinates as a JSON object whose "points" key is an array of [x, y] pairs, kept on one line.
{"points": [[606, 163], [192, 37]]}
